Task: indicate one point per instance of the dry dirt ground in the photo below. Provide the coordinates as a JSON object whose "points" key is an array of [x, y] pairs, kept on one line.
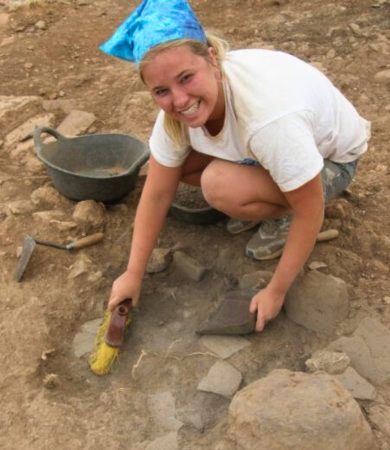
{"points": [[40, 316]]}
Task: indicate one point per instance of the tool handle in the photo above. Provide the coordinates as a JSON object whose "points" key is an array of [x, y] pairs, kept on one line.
{"points": [[117, 326], [86, 241], [327, 235]]}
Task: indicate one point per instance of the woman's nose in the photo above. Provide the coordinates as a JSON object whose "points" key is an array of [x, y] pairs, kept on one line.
{"points": [[180, 98]]}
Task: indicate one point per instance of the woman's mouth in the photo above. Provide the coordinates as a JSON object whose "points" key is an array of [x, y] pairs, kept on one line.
{"points": [[191, 109]]}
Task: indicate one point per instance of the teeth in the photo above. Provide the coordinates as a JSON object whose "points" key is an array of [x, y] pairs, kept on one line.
{"points": [[191, 109]]}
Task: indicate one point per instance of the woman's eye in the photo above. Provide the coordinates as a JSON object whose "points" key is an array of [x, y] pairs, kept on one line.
{"points": [[187, 77], [160, 92]]}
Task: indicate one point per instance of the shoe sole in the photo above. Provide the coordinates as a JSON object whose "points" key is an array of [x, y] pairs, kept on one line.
{"points": [[244, 228], [273, 255], [323, 236]]}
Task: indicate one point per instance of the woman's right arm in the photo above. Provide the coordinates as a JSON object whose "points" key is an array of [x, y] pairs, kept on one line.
{"points": [[157, 195]]}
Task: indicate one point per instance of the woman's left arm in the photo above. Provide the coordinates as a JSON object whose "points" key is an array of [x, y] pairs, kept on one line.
{"points": [[307, 204]]}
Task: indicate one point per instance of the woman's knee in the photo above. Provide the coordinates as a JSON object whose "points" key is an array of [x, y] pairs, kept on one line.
{"points": [[213, 183]]}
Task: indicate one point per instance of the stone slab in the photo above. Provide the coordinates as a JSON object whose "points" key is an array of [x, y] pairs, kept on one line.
{"points": [[225, 346]]}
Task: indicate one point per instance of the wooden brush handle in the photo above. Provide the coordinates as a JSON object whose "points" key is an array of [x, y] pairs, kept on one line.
{"points": [[86, 241], [327, 235], [117, 326]]}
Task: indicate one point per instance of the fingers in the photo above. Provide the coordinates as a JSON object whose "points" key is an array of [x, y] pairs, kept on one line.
{"points": [[260, 322], [253, 306]]}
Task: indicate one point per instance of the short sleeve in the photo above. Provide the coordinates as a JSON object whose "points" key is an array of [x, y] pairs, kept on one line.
{"points": [[163, 148], [287, 149]]}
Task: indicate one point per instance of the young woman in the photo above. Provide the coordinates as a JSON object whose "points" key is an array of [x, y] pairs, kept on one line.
{"points": [[264, 134]]}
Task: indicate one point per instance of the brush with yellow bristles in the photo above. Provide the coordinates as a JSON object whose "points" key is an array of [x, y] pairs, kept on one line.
{"points": [[110, 338]]}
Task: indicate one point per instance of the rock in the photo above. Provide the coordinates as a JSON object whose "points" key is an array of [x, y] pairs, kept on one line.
{"points": [[230, 317], [41, 25], [84, 340], [188, 266], [23, 131], [162, 408], [21, 149], [33, 165], [47, 196], [379, 415], [369, 350], [317, 301], [80, 266], [293, 410], [383, 76], [315, 265], [356, 29], [357, 385], [4, 19], [63, 225], [224, 346], [256, 280], [222, 379], [167, 442], [51, 381], [159, 260], [48, 216], [89, 214], [15, 110], [331, 362], [76, 122], [65, 106], [19, 207]]}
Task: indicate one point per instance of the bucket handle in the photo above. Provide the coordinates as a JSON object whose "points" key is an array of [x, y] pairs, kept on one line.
{"points": [[37, 137]]}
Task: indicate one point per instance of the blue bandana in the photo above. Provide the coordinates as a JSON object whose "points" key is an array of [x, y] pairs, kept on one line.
{"points": [[153, 22]]}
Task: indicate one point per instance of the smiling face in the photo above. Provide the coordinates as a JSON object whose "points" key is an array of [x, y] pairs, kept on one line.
{"points": [[186, 86]]}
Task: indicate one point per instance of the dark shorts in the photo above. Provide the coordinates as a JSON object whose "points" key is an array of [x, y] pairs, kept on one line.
{"points": [[335, 176]]}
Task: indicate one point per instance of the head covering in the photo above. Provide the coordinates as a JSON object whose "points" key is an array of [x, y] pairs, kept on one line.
{"points": [[153, 22]]}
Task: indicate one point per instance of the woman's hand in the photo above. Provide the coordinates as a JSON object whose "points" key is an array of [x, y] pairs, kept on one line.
{"points": [[125, 286], [268, 305]]}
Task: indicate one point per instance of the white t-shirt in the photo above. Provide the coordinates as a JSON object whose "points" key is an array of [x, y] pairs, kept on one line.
{"points": [[281, 112]]}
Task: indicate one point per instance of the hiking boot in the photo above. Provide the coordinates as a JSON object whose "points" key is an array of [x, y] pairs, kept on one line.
{"points": [[268, 241], [235, 226]]}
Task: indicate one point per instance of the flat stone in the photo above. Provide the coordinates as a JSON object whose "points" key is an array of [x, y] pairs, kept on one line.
{"points": [[231, 316], [23, 131], [163, 411], [167, 442], [47, 216], [90, 215], [81, 266], [318, 302], [331, 362], [19, 207], [255, 280], [47, 196], [84, 340], [369, 350], [315, 265], [294, 410], [188, 266], [224, 346], [76, 122], [379, 415], [222, 379], [357, 385], [15, 110], [159, 260], [383, 76]]}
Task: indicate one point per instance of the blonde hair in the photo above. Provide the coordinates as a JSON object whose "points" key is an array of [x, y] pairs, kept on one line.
{"points": [[175, 129]]}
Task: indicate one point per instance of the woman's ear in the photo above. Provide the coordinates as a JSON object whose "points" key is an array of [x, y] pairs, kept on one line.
{"points": [[212, 56]]}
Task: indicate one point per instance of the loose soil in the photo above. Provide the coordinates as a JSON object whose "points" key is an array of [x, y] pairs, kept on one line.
{"points": [[50, 399]]}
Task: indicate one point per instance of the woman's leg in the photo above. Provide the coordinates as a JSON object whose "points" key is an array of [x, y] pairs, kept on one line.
{"points": [[241, 191], [194, 166]]}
